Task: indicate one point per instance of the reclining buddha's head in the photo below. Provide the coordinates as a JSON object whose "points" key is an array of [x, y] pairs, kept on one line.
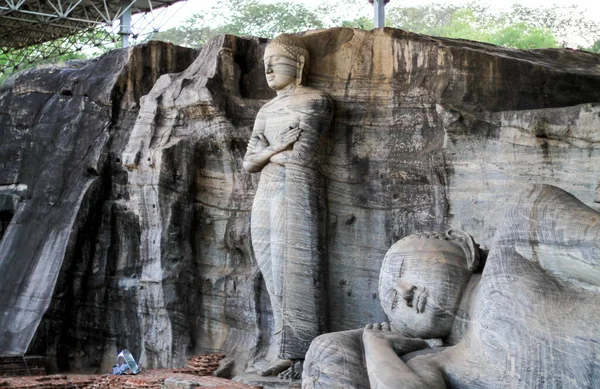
{"points": [[422, 280]]}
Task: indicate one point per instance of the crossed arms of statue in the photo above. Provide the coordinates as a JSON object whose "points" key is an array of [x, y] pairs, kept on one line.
{"points": [[260, 151], [387, 370], [296, 144]]}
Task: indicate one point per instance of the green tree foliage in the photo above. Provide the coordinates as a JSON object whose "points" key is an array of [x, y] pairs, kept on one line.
{"points": [[80, 46], [474, 22], [595, 48], [565, 22], [346, 13], [523, 36], [245, 17], [193, 33], [466, 23], [519, 27], [364, 23], [427, 19], [253, 17], [57, 61]]}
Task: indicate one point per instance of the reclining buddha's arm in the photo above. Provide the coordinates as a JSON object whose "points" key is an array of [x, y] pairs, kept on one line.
{"points": [[387, 371]]}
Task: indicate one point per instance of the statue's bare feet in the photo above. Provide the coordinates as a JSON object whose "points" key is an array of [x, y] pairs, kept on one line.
{"points": [[275, 368], [292, 374]]}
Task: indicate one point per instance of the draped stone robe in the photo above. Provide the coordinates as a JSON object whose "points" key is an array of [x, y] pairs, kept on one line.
{"points": [[287, 232]]}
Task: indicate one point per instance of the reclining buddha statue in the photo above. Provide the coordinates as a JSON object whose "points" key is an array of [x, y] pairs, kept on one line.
{"points": [[529, 320]]}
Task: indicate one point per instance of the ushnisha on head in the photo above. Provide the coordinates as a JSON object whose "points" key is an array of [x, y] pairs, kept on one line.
{"points": [[422, 280], [286, 62]]}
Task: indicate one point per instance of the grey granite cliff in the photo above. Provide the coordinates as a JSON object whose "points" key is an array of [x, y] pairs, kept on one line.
{"points": [[129, 207]]}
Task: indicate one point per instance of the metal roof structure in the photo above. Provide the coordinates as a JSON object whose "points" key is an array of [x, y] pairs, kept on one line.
{"points": [[33, 30]]}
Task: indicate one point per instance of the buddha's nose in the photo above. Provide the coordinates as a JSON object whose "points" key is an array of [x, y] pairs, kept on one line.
{"points": [[405, 289]]}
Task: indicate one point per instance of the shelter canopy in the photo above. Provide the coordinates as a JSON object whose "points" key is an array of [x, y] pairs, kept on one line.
{"points": [[25, 23]]}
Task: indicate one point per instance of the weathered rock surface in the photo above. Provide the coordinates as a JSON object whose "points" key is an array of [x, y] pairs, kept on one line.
{"points": [[427, 133], [60, 127], [494, 153]]}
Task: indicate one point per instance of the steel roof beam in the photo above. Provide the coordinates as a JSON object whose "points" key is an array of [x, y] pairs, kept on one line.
{"points": [[31, 30], [53, 16]]}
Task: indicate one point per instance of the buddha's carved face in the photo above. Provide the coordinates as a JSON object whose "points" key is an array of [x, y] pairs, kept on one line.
{"points": [[280, 70], [423, 291]]}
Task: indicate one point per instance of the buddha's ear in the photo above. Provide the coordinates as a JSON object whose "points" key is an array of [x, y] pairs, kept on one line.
{"points": [[467, 244], [300, 70]]}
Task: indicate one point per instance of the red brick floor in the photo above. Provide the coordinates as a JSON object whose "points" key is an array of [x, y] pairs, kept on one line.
{"points": [[198, 370], [151, 379]]}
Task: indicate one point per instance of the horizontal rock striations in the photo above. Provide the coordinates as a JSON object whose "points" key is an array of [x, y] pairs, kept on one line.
{"points": [[145, 208]]}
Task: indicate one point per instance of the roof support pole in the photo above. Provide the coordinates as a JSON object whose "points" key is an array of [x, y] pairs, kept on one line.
{"points": [[125, 22], [379, 7]]}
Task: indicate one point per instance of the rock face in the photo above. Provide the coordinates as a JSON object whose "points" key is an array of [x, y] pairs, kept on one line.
{"points": [[141, 227], [60, 128]]}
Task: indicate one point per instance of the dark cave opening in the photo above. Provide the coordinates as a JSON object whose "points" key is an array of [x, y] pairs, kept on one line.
{"points": [[5, 218]]}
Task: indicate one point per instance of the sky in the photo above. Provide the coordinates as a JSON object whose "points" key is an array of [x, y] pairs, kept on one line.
{"points": [[174, 15]]}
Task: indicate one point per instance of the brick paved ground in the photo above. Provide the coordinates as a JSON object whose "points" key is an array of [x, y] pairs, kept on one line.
{"points": [[197, 371], [151, 379]]}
